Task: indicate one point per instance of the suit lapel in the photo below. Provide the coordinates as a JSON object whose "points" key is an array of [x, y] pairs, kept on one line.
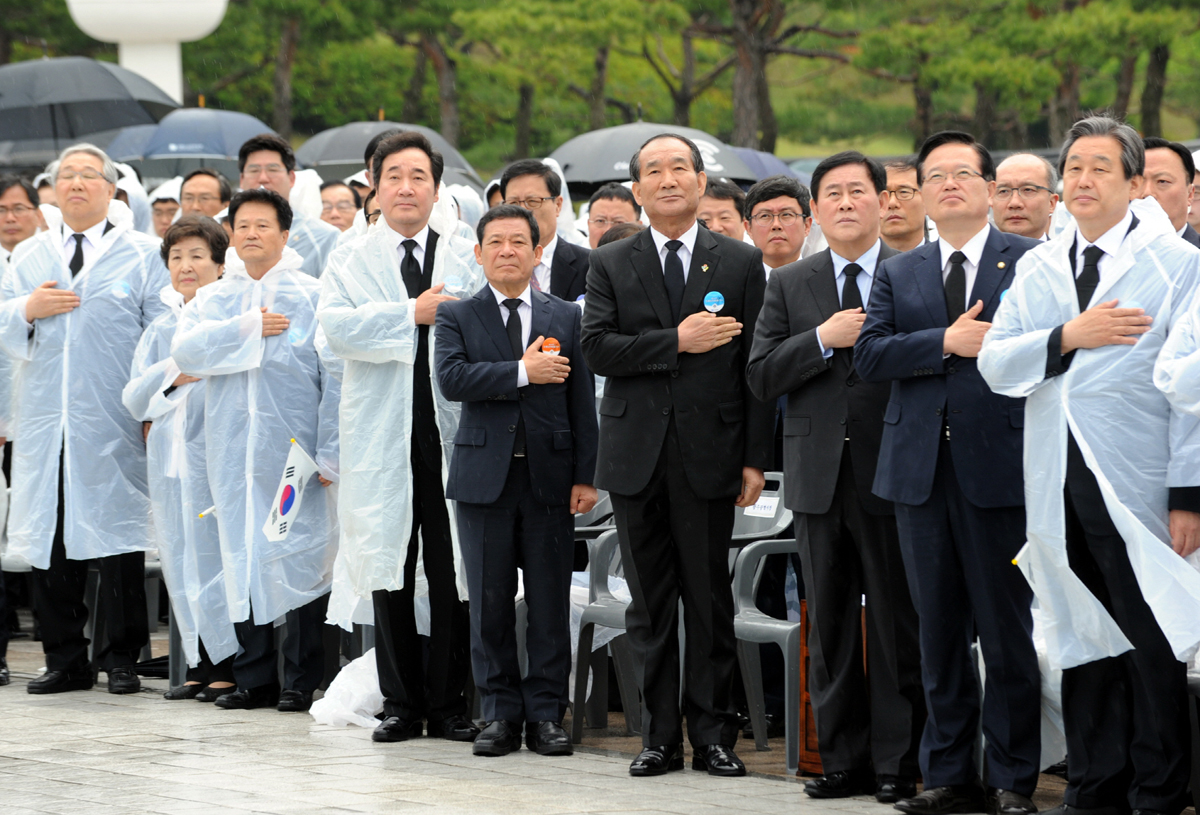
{"points": [[485, 306], [701, 273], [645, 262], [823, 285], [928, 273], [562, 272], [427, 269], [540, 326], [994, 265]]}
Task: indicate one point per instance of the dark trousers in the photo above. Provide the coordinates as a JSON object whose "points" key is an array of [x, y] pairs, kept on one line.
{"points": [[516, 531], [1126, 717], [413, 686], [958, 558], [872, 718], [674, 545], [207, 672], [257, 663]]}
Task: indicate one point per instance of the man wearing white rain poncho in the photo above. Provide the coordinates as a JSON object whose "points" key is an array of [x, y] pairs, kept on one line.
{"points": [[379, 297], [1111, 473], [252, 336], [76, 299]]}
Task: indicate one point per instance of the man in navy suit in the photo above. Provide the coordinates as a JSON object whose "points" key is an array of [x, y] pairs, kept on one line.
{"points": [[950, 460], [523, 464]]}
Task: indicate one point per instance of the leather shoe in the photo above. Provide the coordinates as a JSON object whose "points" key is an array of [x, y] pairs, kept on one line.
{"points": [[453, 728], [243, 699], [892, 788], [657, 760], [939, 800], [60, 681], [548, 739], [294, 701], [5, 678], [211, 694], [499, 738], [394, 728], [123, 680], [841, 784], [1007, 802], [776, 727], [184, 692], [718, 759]]}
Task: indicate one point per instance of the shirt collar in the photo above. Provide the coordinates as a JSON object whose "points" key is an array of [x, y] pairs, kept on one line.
{"points": [[92, 233], [973, 248], [688, 239], [866, 261], [525, 297], [422, 237], [1181, 229], [548, 252], [1110, 242]]}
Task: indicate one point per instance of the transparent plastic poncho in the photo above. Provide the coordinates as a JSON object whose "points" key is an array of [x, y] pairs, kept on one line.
{"points": [[313, 240]]}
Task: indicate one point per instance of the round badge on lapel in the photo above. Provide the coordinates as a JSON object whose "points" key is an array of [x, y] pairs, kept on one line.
{"points": [[714, 301], [550, 346]]}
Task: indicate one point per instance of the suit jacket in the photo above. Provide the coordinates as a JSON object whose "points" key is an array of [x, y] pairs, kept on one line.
{"points": [[825, 398], [568, 271], [1190, 235], [476, 366], [901, 342], [630, 337]]}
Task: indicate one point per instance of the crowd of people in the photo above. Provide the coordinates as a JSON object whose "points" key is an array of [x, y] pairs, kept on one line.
{"points": [[979, 382]]}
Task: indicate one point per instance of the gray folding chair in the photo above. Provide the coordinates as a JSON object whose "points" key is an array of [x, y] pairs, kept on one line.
{"points": [[752, 627], [595, 523], [750, 528]]}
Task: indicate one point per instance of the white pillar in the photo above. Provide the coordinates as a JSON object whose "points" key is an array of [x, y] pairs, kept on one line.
{"points": [[160, 62]]}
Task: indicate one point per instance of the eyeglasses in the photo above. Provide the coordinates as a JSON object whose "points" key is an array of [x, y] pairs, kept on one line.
{"points": [[202, 200], [605, 222], [961, 176], [374, 216], [1026, 191], [530, 203], [786, 218], [16, 209], [340, 206], [903, 193], [86, 175], [269, 169]]}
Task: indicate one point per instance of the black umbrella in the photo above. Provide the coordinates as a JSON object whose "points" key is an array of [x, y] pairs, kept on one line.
{"points": [[186, 139], [69, 98], [338, 152]]}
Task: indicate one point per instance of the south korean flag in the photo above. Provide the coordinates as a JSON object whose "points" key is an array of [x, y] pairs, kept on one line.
{"points": [[298, 471]]}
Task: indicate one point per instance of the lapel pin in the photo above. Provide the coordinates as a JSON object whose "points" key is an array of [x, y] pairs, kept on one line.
{"points": [[1000, 265], [704, 268], [714, 301]]}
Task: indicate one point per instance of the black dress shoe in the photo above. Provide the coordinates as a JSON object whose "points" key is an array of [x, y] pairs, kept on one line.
{"points": [[717, 759], [242, 699], [453, 728], [123, 680], [394, 728], [892, 788], [184, 692], [211, 694], [841, 784], [294, 701], [658, 760], [5, 678], [548, 739], [939, 800], [776, 727], [499, 738], [1007, 802], [61, 681]]}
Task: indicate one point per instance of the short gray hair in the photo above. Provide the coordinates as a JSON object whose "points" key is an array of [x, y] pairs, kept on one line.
{"points": [[1051, 173], [108, 169], [1133, 154]]}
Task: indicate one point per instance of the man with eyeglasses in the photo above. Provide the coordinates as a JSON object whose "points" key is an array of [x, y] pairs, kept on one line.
{"points": [[339, 204], [1170, 172], [268, 161], [562, 271], [1025, 196], [204, 191], [951, 462], [778, 218], [902, 224], [723, 209], [609, 206]]}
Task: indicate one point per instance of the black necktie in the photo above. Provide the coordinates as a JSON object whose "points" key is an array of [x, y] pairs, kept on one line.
{"points": [[514, 338], [673, 278], [77, 259], [956, 287], [1088, 279], [851, 296], [410, 270]]}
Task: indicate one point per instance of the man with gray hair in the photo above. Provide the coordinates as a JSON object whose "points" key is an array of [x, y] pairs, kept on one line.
{"points": [[1026, 194], [1112, 471], [75, 300]]}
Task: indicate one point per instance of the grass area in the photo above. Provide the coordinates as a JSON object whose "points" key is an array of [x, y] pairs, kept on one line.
{"points": [[893, 145]]}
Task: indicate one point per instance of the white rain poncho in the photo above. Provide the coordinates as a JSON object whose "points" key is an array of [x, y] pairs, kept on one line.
{"points": [[368, 319], [189, 547], [139, 202], [68, 382], [1135, 444], [313, 240], [261, 393], [8, 370]]}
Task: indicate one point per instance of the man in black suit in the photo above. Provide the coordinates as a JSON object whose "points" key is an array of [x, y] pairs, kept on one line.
{"points": [[1170, 171], [1025, 196], [867, 726], [682, 441], [524, 461], [950, 459], [562, 270]]}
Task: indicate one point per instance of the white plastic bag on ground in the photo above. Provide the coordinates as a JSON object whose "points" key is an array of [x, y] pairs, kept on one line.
{"points": [[353, 696]]}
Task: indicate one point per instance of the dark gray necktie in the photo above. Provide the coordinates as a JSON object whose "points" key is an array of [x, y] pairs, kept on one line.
{"points": [[956, 287], [514, 338], [851, 296], [673, 278], [410, 270], [1089, 278], [77, 259]]}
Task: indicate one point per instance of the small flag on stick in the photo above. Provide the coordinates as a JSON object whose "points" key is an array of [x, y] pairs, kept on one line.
{"points": [[298, 471]]}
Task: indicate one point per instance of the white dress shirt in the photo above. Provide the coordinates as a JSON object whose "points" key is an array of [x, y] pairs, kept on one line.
{"points": [[421, 238], [525, 312], [867, 262], [688, 239], [542, 270], [1110, 242], [973, 249], [91, 242]]}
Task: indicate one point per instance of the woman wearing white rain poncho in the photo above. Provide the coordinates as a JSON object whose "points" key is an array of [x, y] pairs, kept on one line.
{"points": [[1108, 467], [378, 299], [252, 336], [189, 547]]}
